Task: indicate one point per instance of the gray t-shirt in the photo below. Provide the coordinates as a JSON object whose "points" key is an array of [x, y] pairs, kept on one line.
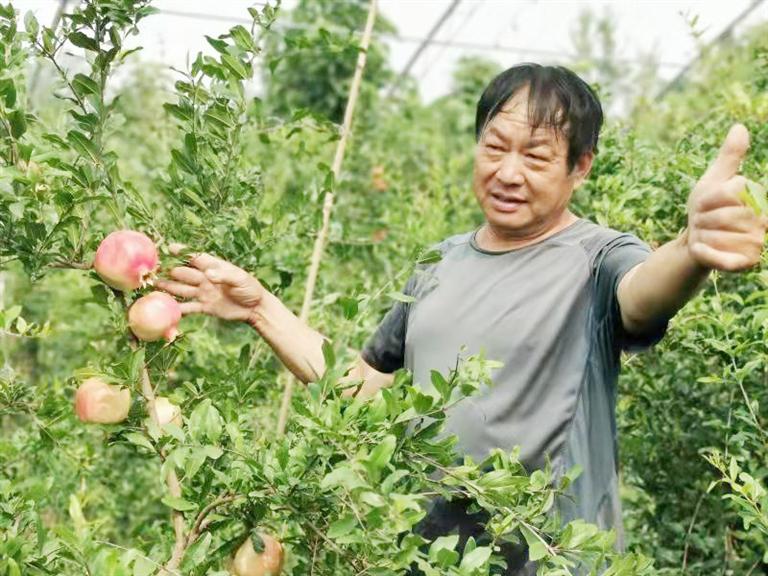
{"points": [[550, 313]]}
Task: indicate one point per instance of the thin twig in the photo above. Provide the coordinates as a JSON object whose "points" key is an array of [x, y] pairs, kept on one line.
{"points": [[197, 527], [690, 530]]}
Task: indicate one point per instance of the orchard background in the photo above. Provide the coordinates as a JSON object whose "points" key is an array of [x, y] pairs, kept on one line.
{"points": [[195, 156]]}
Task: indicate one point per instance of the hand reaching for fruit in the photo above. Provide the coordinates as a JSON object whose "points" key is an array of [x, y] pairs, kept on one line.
{"points": [[214, 286]]}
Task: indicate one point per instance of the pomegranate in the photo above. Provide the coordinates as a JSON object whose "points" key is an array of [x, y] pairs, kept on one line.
{"points": [[102, 403], [269, 562], [167, 411], [378, 180], [126, 259], [155, 316]]}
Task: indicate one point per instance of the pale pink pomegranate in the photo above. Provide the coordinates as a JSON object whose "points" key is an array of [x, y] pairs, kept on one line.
{"points": [[167, 411], [126, 259], [102, 403], [248, 562], [155, 316]]}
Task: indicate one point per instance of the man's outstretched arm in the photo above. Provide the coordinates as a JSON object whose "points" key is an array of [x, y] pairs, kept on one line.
{"points": [[723, 234], [210, 285]]}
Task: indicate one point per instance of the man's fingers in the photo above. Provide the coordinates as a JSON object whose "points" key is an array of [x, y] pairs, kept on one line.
{"points": [[191, 308], [725, 194], [750, 241], [731, 154], [205, 261], [732, 218], [187, 275], [176, 248], [177, 288], [230, 275], [720, 259]]}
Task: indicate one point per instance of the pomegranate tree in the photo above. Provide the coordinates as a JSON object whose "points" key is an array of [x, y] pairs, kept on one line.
{"points": [[102, 403], [269, 562], [155, 316], [126, 259]]}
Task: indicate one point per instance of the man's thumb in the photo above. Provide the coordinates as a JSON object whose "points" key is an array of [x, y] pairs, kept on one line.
{"points": [[732, 152]]}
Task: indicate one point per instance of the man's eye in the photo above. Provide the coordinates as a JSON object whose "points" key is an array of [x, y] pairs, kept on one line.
{"points": [[537, 157], [494, 146]]}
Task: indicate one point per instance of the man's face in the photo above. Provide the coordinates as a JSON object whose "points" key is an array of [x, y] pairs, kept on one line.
{"points": [[521, 179]]}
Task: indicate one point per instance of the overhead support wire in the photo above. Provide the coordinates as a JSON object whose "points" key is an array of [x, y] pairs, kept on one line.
{"points": [[464, 44], [432, 33], [677, 80]]}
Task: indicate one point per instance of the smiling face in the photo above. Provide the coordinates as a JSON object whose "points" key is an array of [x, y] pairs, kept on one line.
{"points": [[521, 178]]}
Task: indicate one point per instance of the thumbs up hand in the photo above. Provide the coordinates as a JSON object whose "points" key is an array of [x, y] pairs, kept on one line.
{"points": [[724, 233]]}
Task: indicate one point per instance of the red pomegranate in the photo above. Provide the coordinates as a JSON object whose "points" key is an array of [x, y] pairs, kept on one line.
{"points": [[126, 259]]}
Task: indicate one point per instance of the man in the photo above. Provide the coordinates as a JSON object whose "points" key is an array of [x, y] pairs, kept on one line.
{"points": [[553, 296]]}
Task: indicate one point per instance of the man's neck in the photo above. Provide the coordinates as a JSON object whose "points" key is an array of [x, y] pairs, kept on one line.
{"points": [[493, 239]]}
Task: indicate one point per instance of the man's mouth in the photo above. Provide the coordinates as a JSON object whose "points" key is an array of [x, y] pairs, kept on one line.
{"points": [[506, 202]]}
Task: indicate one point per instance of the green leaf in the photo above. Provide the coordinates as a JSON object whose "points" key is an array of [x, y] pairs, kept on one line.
{"points": [[328, 354], [8, 92], [755, 197], [10, 315], [380, 456], [18, 121], [400, 297], [139, 440], [441, 384], [476, 559], [430, 257], [243, 38], [179, 503], [183, 113], [143, 566], [443, 550], [342, 526], [184, 162], [30, 24], [237, 66], [137, 363], [349, 306], [536, 548], [82, 41], [205, 422], [197, 553], [84, 85], [82, 144], [218, 45]]}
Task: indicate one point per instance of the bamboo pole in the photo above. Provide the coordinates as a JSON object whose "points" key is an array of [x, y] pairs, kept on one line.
{"points": [[322, 234]]}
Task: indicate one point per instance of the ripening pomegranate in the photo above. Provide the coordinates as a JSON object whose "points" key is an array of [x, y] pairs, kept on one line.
{"points": [[126, 259], [248, 562], [167, 411], [155, 316], [378, 180], [102, 403]]}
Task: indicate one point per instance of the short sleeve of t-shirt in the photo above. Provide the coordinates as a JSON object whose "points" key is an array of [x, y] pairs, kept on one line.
{"points": [[385, 349], [612, 262]]}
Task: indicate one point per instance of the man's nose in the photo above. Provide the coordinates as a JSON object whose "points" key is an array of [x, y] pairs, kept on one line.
{"points": [[511, 170]]}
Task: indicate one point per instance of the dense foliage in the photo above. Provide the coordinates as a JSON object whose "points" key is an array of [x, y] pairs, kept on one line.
{"points": [[194, 156]]}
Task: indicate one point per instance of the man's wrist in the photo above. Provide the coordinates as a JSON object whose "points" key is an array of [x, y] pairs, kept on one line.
{"points": [[259, 315]]}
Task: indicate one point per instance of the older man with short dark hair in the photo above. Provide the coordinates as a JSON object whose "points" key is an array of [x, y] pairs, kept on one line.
{"points": [[554, 297]]}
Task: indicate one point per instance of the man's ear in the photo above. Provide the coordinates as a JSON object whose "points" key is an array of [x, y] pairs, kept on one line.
{"points": [[582, 168]]}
